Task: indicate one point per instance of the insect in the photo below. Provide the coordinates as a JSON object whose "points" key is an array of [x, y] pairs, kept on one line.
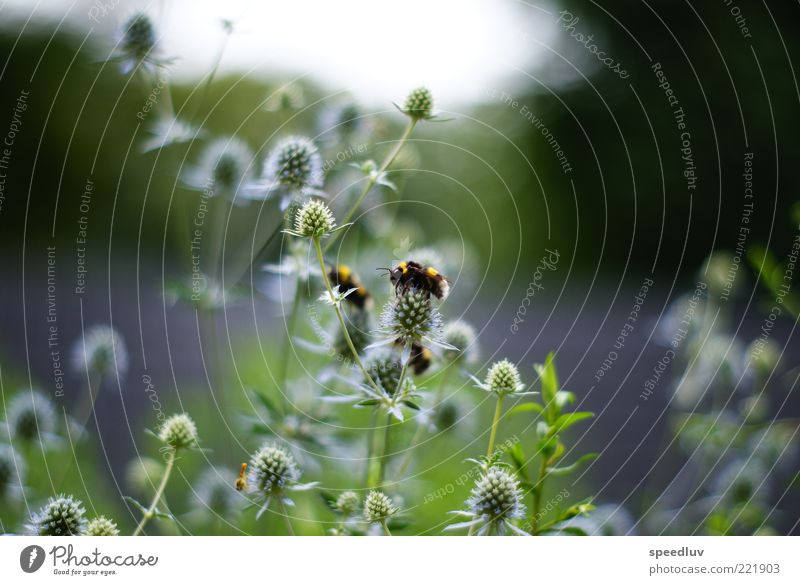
{"points": [[343, 277], [241, 481], [411, 275], [420, 359]]}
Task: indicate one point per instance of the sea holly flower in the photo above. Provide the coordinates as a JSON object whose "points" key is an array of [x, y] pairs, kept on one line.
{"points": [[347, 503], [418, 105], [378, 508], [293, 167], [224, 168], [314, 220], [273, 473], [502, 379], [494, 503], [462, 336], [411, 318], [179, 432], [138, 45], [101, 351], [30, 416], [101, 526], [63, 515]]}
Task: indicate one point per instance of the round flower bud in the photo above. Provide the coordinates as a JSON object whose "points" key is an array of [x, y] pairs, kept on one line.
{"points": [[179, 432], [143, 474], [139, 36], [101, 526], [31, 415], [462, 336], [497, 495], [61, 516], [295, 163], [226, 163], [384, 367], [347, 503], [412, 317], [271, 470], [503, 378], [12, 470], [419, 104], [764, 356], [314, 220], [102, 350], [378, 507]]}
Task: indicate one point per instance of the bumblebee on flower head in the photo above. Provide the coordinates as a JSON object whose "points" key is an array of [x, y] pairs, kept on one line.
{"points": [[410, 275], [343, 277]]}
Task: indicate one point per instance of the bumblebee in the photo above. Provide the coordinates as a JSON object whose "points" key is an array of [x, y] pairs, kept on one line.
{"points": [[342, 276], [411, 275], [421, 358]]}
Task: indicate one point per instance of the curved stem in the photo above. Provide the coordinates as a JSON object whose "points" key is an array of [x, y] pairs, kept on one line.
{"points": [[159, 493], [385, 527], [373, 178], [495, 422], [338, 310], [373, 420]]}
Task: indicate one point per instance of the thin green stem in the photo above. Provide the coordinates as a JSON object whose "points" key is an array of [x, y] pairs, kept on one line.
{"points": [[159, 492], [384, 459], [498, 411], [372, 179], [421, 428], [342, 324], [291, 325], [373, 420], [386, 527], [538, 488]]}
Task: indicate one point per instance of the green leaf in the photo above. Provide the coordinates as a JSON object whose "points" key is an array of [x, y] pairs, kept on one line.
{"points": [[567, 469], [565, 421], [136, 504], [526, 407], [564, 398], [410, 404], [542, 429], [518, 458], [368, 402], [549, 379]]}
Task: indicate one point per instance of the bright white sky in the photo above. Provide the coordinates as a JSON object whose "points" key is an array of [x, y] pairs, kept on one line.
{"points": [[376, 49]]}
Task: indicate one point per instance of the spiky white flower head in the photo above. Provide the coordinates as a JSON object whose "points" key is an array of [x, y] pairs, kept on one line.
{"points": [[138, 44], [461, 335], [272, 469], [345, 122], [31, 415], [720, 362], [143, 474], [12, 472], [102, 351], [314, 220], [419, 104], [178, 432], [224, 168], [273, 472], [101, 526], [494, 503], [411, 317], [502, 379], [216, 492], [378, 507], [347, 503], [63, 515], [295, 163]]}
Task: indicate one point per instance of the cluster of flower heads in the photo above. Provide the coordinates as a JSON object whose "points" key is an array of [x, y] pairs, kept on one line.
{"points": [[64, 515]]}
